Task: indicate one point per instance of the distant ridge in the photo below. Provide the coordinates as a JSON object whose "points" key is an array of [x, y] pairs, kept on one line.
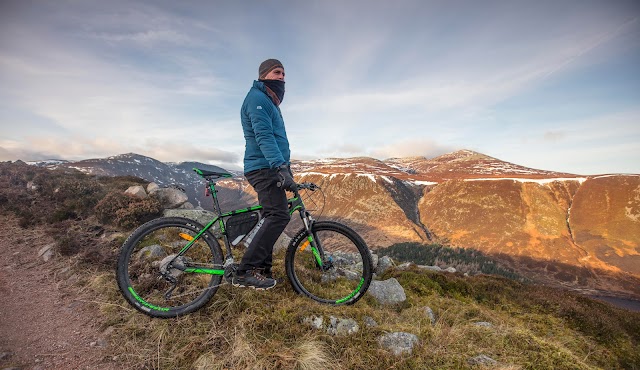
{"points": [[582, 232]]}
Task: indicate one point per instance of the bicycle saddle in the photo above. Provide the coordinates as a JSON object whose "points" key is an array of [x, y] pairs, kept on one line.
{"points": [[212, 175]]}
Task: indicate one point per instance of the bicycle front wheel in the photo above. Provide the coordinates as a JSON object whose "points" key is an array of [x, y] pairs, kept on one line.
{"points": [[332, 265], [168, 267]]}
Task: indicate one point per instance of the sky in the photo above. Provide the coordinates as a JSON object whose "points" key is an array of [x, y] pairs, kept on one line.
{"points": [[552, 85]]}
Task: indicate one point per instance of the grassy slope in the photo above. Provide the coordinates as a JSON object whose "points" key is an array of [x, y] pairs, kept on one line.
{"points": [[533, 327]]}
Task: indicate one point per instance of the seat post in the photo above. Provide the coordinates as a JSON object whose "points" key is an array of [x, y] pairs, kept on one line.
{"points": [[214, 195]]}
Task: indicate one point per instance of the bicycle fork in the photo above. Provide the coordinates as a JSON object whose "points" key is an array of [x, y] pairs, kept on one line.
{"points": [[315, 244]]}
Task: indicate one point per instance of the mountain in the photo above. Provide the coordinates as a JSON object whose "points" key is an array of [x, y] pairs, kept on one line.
{"points": [[233, 194], [581, 232]]}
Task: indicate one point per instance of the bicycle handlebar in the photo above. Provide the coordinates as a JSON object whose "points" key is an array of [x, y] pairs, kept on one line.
{"points": [[308, 186]]}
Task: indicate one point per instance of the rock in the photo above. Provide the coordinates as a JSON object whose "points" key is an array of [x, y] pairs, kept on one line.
{"points": [[340, 273], [316, 322], [482, 360], [404, 266], [282, 243], [429, 312], [65, 272], [387, 292], [32, 186], [450, 269], [136, 191], [114, 235], [484, 324], [152, 187], [339, 326], [374, 261], [430, 268], [108, 331], [369, 322], [171, 197], [398, 343], [46, 252], [151, 251], [384, 264], [187, 205], [200, 216]]}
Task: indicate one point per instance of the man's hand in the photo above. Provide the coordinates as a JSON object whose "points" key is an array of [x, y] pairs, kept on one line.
{"points": [[285, 178]]}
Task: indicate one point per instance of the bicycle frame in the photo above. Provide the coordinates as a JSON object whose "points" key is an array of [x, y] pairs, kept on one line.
{"points": [[295, 204]]}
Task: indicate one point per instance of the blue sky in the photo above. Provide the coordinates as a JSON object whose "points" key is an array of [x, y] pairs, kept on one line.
{"points": [[552, 85]]}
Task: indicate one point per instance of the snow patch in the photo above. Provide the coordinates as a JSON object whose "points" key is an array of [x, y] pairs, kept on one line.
{"points": [[615, 174], [539, 181], [371, 176], [417, 182]]}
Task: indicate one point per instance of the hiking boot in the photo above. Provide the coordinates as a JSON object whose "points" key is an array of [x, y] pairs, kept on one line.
{"points": [[266, 272], [253, 279]]}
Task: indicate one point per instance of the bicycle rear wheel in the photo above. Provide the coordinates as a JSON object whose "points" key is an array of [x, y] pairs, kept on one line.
{"points": [[337, 272], [159, 278]]}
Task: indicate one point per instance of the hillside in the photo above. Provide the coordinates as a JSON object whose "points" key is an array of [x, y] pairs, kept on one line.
{"points": [[517, 325], [562, 229]]}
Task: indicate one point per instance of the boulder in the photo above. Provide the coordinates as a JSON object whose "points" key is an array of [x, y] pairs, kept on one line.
{"points": [[170, 197], [430, 268], [387, 292], [46, 252], [187, 205], [136, 191], [316, 322], [200, 216], [398, 343], [374, 261], [339, 326], [429, 312], [282, 243], [151, 251], [369, 322], [384, 264], [450, 269], [482, 360], [152, 187]]}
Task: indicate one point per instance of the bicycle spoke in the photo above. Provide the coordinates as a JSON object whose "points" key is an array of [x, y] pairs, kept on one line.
{"points": [[332, 267], [164, 271]]}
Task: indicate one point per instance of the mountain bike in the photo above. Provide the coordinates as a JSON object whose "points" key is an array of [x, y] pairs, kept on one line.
{"points": [[173, 266]]}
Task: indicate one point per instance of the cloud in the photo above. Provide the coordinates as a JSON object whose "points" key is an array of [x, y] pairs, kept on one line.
{"points": [[411, 148], [78, 148], [554, 135]]}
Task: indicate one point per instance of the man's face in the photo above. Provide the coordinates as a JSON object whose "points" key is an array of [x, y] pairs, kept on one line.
{"points": [[275, 74]]}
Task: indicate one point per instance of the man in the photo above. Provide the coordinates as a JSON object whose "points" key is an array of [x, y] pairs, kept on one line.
{"points": [[266, 167]]}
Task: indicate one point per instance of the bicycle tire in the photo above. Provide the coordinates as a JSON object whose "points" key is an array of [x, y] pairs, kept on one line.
{"points": [[144, 258], [347, 269]]}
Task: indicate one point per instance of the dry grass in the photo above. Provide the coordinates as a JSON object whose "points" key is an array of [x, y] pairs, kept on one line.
{"points": [[245, 329]]}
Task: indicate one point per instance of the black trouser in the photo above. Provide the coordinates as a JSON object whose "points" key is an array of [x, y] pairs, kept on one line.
{"points": [[276, 216]]}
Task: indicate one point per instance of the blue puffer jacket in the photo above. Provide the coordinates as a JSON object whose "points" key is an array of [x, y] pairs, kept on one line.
{"points": [[266, 139]]}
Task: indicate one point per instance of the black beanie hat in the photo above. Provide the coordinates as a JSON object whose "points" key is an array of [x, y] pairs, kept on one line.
{"points": [[268, 66]]}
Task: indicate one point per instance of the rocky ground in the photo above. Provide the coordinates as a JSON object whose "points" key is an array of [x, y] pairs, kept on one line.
{"points": [[46, 322]]}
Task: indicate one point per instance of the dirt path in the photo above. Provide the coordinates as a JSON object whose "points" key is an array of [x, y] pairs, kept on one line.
{"points": [[43, 323]]}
